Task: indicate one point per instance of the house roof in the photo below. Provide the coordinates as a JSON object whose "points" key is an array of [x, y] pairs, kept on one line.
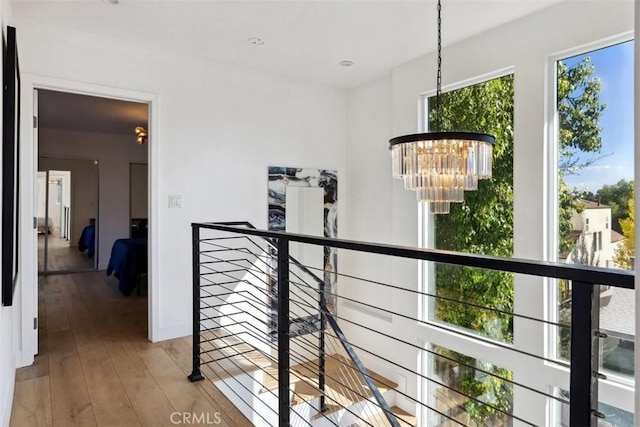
{"points": [[616, 237], [588, 204], [618, 311]]}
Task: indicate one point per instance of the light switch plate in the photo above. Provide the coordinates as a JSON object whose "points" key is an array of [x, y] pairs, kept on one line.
{"points": [[175, 201]]}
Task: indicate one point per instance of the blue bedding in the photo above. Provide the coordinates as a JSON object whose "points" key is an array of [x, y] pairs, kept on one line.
{"points": [[87, 240], [128, 260]]}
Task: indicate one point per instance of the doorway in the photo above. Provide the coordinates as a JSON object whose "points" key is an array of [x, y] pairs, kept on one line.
{"points": [[67, 215], [33, 86]]}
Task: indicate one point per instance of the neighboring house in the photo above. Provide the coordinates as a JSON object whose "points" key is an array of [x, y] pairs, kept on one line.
{"points": [[594, 242]]}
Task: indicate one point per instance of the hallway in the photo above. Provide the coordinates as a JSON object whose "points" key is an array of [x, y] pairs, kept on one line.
{"points": [[96, 367]]}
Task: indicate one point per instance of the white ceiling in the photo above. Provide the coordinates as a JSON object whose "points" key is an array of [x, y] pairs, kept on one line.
{"points": [[67, 111], [304, 40]]}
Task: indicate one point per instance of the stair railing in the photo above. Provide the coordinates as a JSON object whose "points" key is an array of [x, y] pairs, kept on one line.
{"points": [[281, 245], [584, 326]]}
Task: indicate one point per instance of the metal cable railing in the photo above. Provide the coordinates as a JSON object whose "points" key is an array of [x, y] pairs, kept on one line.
{"points": [[263, 330]]}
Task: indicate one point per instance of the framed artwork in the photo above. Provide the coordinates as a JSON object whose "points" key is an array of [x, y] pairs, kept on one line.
{"points": [[280, 178], [10, 167]]}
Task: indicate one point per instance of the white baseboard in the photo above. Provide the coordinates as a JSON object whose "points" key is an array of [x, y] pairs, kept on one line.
{"points": [[8, 403], [173, 331]]}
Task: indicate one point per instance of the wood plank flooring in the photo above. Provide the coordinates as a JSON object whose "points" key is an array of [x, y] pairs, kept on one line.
{"points": [[97, 368], [63, 254]]}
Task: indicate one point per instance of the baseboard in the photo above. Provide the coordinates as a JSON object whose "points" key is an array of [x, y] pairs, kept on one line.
{"points": [[173, 331], [8, 403]]}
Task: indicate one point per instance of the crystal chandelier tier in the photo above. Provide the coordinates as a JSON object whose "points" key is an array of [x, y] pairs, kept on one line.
{"points": [[441, 166]]}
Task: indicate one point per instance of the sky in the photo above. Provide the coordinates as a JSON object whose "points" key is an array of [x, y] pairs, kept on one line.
{"points": [[614, 66]]}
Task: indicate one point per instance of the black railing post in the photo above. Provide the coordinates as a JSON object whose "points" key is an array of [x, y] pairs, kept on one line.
{"points": [[583, 386], [283, 332], [196, 374], [323, 326]]}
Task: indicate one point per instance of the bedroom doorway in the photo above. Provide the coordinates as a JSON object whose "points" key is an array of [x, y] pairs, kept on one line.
{"points": [[96, 141], [81, 132], [67, 215]]}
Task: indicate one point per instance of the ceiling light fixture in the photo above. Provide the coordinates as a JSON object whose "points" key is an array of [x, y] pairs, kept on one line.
{"points": [[114, 2], [141, 135], [256, 41], [441, 166], [346, 63]]}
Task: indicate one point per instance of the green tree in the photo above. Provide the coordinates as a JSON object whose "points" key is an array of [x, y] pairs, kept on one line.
{"points": [[482, 224], [579, 113], [615, 196], [627, 249]]}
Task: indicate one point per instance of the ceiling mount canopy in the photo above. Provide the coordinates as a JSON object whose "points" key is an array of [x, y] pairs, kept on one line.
{"points": [[441, 166]]}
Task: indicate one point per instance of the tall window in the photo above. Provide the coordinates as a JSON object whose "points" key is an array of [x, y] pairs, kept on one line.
{"points": [[596, 188], [483, 224]]}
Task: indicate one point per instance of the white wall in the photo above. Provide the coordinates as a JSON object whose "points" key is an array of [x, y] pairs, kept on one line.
{"points": [[114, 154], [524, 47], [219, 128]]}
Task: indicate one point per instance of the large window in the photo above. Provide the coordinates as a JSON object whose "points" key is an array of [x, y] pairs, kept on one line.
{"points": [[483, 224], [596, 188], [473, 299]]}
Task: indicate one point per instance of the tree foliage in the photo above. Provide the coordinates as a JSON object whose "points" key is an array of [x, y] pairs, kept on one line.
{"points": [[627, 249], [579, 113], [615, 196], [482, 224]]}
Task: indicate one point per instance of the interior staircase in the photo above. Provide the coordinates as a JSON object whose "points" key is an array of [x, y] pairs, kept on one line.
{"points": [[249, 378]]}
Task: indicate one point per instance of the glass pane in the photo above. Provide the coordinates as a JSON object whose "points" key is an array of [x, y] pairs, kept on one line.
{"points": [[596, 188], [614, 417], [483, 223], [469, 394]]}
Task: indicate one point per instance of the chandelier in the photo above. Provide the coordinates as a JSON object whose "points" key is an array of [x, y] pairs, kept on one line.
{"points": [[141, 135], [440, 166]]}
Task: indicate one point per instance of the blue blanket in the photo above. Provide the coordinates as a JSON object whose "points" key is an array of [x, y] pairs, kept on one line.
{"points": [[87, 240], [128, 260]]}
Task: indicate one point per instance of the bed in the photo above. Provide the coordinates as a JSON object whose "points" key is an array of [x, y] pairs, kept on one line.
{"points": [[128, 262], [87, 241]]}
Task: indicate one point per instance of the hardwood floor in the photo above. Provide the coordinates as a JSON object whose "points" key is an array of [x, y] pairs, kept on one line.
{"points": [[62, 254], [97, 368]]}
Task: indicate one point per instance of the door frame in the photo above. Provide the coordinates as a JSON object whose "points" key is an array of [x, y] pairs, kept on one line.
{"points": [[28, 269]]}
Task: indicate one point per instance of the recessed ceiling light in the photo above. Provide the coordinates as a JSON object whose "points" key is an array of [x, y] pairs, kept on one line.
{"points": [[257, 41], [111, 1], [346, 63]]}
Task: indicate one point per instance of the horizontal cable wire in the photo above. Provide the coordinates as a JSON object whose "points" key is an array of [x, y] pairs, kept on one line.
{"points": [[297, 376], [305, 284], [350, 367], [426, 294], [436, 354], [451, 359], [224, 380], [302, 361]]}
